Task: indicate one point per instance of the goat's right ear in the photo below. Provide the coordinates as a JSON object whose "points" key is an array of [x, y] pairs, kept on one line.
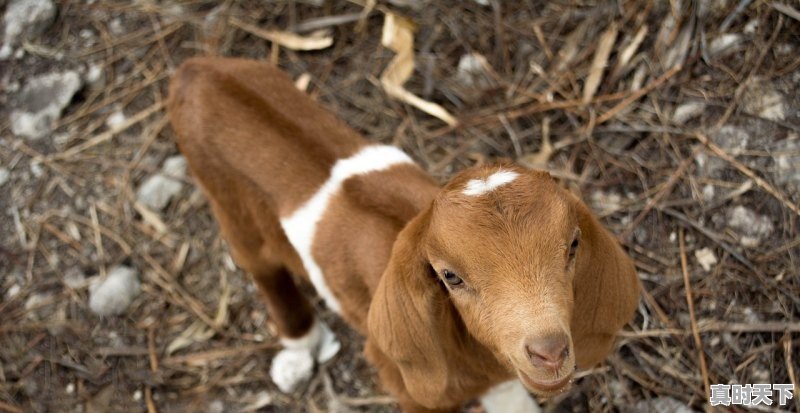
{"points": [[409, 320], [606, 289]]}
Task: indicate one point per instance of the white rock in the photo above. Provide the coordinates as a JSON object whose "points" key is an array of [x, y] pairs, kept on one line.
{"points": [[112, 295], [158, 190], [42, 100], [724, 44], [175, 166], [751, 26], [95, 76], [752, 227], [13, 290], [731, 138], [472, 70], [708, 192], [788, 163], [116, 119], [762, 99], [784, 49], [74, 278], [6, 51], [24, 20], [216, 406], [4, 176], [173, 13], [751, 316], [606, 201], [36, 169], [37, 306], [116, 26], [706, 258], [290, 367], [10, 85], [687, 111]]}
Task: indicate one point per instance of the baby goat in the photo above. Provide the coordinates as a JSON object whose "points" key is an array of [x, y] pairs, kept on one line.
{"points": [[499, 283]]}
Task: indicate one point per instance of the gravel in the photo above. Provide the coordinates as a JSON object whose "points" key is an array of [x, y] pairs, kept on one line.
{"points": [[41, 102]]}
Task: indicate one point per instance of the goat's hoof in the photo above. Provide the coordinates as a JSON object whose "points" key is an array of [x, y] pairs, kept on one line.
{"points": [[290, 368], [329, 346]]}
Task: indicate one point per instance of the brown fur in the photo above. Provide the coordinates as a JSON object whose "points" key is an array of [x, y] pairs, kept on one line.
{"points": [[260, 148]]}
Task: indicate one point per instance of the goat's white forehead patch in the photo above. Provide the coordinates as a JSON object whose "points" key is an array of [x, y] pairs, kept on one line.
{"points": [[477, 187]]}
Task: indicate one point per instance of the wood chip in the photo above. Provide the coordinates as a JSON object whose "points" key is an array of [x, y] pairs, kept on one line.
{"points": [[315, 41], [601, 55]]}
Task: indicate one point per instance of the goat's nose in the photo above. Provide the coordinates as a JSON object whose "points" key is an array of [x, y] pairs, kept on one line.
{"points": [[548, 351]]}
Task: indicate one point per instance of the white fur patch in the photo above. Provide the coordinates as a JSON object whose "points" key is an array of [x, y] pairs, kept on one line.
{"points": [[290, 367], [295, 364], [477, 187], [319, 341], [301, 225], [509, 397]]}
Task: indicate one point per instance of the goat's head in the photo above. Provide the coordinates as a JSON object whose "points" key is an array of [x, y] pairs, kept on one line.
{"points": [[504, 242], [505, 246]]}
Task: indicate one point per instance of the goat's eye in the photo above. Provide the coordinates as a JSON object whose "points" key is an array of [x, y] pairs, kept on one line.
{"points": [[451, 277], [573, 248]]}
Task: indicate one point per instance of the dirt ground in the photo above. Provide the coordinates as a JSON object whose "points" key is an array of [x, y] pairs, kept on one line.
{"points": [[678, 122]]}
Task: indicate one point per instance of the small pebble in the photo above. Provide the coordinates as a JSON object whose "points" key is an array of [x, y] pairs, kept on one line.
{"points": [[112, 295]]}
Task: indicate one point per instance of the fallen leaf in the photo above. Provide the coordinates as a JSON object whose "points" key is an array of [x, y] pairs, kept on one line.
{"points": [[316, 41], [539, 159], [398, 36]]}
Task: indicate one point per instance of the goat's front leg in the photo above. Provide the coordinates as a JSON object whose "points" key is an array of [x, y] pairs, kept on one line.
{"points": [[306, 339]]}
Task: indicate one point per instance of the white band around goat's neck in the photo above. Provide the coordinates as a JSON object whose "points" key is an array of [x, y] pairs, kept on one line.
{"points": [[300, 227]]}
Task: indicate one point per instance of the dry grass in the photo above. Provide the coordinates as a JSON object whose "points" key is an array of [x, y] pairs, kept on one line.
{"points": [[586, 88]]}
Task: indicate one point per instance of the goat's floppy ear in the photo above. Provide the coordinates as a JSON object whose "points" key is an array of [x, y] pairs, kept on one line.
{"points": [[606, 289], [409, 319]]}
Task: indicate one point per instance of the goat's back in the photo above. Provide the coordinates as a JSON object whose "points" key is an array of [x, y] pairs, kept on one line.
{"points": [[247, 117]]}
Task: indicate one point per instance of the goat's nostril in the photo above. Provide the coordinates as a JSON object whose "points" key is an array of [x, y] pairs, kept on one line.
{"points": [[548, 351]]}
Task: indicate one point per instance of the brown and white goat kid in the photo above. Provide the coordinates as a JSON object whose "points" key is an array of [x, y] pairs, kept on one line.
{"points": [[499, 283]]}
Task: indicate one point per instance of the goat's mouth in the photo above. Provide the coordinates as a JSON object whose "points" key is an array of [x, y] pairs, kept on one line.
{"points": [[546, 388]]}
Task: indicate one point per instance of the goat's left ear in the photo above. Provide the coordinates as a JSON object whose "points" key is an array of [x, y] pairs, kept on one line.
{"points": [[409, 321], [606, 289]]}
